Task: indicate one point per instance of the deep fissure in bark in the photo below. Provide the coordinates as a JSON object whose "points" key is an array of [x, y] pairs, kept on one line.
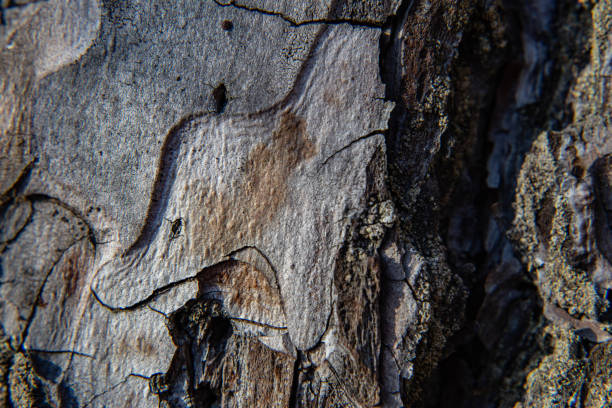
{"points": [[474, 373]]}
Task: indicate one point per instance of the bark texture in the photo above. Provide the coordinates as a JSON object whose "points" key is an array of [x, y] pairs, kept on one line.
{"points": [[236, 203]]}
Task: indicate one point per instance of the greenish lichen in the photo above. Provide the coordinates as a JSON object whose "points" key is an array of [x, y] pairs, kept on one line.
{"points": [[20, 386], [6, 357], [26, 389], [591, 92], [558, 379], [599, 390], [542, 223], [571, 375], [554, 229]]}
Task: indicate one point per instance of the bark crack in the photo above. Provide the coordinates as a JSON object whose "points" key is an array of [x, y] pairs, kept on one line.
{"points": [[37, 299], [164, 289], [159, 291], [350, 144], [256, 323], [71, 352], [112, 387], [20, 182], [90, 231], [144, 302], [296, 23]]}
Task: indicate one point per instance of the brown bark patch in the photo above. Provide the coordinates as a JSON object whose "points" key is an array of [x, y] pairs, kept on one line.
{"points": [[268, 165], [225, 220], [145, 346], [140, 343], [245, 289], [249, 359], [71, 271]]}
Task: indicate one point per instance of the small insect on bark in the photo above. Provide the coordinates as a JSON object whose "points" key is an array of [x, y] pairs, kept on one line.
{"points": [[176, 227]]}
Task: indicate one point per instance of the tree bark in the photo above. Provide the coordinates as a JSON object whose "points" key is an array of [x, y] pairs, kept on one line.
{"points": [[271, 203]]}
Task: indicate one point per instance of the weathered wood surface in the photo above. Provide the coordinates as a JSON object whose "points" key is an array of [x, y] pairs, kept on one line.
{"points": [[305, 203]]}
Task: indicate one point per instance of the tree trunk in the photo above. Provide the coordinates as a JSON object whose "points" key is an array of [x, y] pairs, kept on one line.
{"points": [[237, 203]]}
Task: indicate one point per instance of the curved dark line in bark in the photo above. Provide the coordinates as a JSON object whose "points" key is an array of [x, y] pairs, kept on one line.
{"points": [[37, 298], [141, 303], [20, 182], [34, 197], [256, 323], [377, 132], [164, 180], [296, 23], [166, 170], [72, 352], [160, 291]]}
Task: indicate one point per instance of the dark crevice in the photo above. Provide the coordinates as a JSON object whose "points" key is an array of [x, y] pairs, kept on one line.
{"points": [[295, 381], [465, 375], [458, 183], [489, 357]]}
